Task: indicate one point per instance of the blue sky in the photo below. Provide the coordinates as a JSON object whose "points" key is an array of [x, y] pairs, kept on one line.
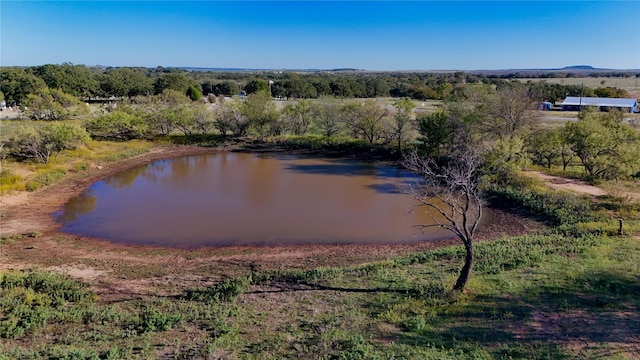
{"points": [[414, 35]]}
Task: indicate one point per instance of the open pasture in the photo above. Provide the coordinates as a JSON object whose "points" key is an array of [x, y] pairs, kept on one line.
{"points": [[629, 84]]}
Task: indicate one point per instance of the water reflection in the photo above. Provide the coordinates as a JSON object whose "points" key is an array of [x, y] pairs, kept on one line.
{"points": [[79, 205], [242, 199]]}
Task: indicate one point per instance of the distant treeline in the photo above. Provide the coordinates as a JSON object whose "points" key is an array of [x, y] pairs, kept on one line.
{"points": [[87, 83]]}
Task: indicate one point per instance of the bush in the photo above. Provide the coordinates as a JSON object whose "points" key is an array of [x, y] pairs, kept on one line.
{"points": [[193, 93], [118, 125], [45, 179], [41, 143], [223, 291], [29, 301], [558, 207], [153, 319]]}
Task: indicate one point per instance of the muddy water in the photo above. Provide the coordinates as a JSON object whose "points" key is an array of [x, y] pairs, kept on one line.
{"points": [[249, 199]]}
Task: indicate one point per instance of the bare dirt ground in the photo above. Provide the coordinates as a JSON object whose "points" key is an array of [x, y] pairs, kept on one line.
{"points": [[560, 183], [578, 186], [118, 271]]}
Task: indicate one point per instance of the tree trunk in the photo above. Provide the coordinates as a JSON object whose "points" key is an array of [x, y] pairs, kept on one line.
{"points": [[465, 273]]}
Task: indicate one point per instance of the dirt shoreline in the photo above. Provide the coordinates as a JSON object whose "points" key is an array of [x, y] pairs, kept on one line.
{"points": [[31, 211], [118, 271]]}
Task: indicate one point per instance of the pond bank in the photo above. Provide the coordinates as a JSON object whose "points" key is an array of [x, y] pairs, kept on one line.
{"points": [[124, 271]]}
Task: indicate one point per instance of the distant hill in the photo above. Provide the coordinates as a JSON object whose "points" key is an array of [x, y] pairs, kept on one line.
{"points": [[580, 67], [582, 70]]}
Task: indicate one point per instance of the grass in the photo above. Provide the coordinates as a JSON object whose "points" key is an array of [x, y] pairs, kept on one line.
{"points": [[531, 297], [563, 293], [630, 84], [69, 162], [566, 292], [10, 182]]}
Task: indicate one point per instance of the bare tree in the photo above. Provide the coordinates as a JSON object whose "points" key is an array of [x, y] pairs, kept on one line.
{"points": [[451, 190], [510, 110]]}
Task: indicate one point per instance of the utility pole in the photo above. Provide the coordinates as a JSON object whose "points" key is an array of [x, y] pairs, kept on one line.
{"points": [[580, 103]]}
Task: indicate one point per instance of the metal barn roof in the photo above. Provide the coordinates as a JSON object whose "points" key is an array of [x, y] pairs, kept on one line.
{"points": [[594, 101]]}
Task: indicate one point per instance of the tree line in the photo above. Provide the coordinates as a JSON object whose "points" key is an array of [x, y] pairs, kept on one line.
{"points": [[500, 120], [86, 83]]}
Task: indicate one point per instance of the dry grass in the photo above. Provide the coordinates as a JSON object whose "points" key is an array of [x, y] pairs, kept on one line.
{"points": [[631, 84]]}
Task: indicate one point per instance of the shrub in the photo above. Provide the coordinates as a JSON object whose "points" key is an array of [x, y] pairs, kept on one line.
{"points": [[152, 319], [223, 291], [29, 301], [193, 93], [558, 207], [118, 125], [45, 179], [41, 143]]}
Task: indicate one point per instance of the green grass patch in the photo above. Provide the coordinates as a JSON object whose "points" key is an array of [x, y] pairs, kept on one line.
{"points": [[44, 178], [555, 207], [123, 155], [397, 308], [224, 291], [10, 182], [29, 301]]}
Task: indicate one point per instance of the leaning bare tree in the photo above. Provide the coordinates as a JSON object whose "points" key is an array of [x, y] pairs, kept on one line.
{"points": [[452, 191]]}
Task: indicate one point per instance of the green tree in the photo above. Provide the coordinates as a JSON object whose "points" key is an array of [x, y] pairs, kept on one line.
{"points": [[226, 88], [76, 80], [52, 104], [175, 81], [606, 146], [180, 117], [403, 118], [256, 86], [365, 119], [435, 132], [17, 84], [505, 156], [203, 119], [299, 116], [611, 92], [230, 118], [164, 120], [43, 142], [329, 118], [125, 82], [545, 146], [164, 111], [297, 88], [117, 125], [260, 111], [171, 98]]}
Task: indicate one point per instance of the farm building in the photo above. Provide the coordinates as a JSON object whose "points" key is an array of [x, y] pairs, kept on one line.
{"points": [[573, 103]]}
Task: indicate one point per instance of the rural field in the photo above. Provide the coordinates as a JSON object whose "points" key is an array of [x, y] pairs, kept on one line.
{"points": [[538, 254], [630, 84]]}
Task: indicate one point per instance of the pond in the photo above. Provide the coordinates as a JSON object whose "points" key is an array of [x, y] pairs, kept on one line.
{"points": [[232, 198]]}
